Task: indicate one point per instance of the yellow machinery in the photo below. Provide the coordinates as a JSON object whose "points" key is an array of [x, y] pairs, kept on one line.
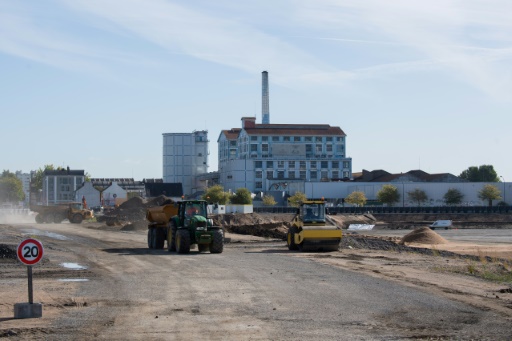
{"points": [[310, 231], [159, 218]]}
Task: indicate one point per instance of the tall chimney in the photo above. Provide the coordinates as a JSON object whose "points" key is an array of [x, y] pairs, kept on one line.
{"points": [[264, 105]]}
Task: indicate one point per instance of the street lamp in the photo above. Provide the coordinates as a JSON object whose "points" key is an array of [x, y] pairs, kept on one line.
{"points": [[504, 193]]}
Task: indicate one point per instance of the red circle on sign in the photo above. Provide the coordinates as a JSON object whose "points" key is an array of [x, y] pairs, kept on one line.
{"points": [[30, 251]]}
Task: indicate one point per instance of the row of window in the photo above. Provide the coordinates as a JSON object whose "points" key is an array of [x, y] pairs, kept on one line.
{"points": [[301, 164], [297, 138], [303, 175]]}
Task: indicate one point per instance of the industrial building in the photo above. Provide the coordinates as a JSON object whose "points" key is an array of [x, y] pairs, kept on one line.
{"points": [[185, 157]]}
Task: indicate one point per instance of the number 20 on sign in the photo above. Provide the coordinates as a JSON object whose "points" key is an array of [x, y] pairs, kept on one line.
{"points": [[30, 251]]}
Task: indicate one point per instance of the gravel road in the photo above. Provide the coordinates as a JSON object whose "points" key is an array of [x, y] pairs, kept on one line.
{"points": [[120, 290]]}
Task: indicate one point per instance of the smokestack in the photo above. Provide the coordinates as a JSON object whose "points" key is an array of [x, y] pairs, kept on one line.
{"points": [[264, 105]]}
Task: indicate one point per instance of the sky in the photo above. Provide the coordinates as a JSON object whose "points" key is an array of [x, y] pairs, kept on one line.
{"points": [[94, 84]]}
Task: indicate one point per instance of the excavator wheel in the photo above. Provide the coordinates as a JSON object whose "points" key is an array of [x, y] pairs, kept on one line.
{"points": [[150, 238], [290, 238], [39, 218], [217, 245], [183, 241], [77, 219]]}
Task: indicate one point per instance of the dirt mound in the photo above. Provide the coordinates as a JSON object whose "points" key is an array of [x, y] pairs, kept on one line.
{"points": [[261, 225], [423, 235], [134, 202], [8, 251], [159, 201]]}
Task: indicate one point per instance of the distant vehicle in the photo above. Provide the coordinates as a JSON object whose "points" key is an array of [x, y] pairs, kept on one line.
{"points": [[441, 224], [73, 211]]}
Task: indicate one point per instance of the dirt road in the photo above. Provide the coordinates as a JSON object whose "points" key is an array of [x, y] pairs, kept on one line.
{"points": [[106, 284]]}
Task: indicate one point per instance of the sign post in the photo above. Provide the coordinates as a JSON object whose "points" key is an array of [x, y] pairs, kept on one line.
{"points": [[30, 252]]}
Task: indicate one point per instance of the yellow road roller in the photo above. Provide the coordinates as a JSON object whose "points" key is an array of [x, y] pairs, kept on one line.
{"points": [[310, 231]]}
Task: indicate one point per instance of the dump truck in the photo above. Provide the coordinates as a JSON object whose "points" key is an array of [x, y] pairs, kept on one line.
{"points": [[192, 226], [310, 231], [73, 211], [159, 218]]}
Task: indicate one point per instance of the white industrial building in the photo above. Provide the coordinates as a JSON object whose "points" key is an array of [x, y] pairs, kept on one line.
{"points": [[185, 156], [273, 157]]}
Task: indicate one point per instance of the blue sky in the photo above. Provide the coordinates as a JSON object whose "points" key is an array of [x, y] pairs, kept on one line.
{"points": [[414, 84]]}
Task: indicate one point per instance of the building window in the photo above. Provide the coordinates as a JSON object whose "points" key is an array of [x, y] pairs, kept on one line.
{"points": [[254, 147], [258, 185], [302, 165], [345, 174], [264, 148], [324, 164], [302, 175], [280, 164], [328, 148], [291, 174], [346, 164], [270, 164], [232, 143], [309, 148], [318, 148], [308, 139], [270, 174], [324, 174], [313, 175], [296, 139], [339, 148], [275, 138], [254, 138], [280, 174], [318, 139], [335, 165], [312, 165], [291, 164], [258, 164], [264, 138], [258, 174], [335, 174], [328, 138]]}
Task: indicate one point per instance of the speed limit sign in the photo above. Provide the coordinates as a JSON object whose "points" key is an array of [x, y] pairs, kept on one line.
{"points": [[30, 251]]}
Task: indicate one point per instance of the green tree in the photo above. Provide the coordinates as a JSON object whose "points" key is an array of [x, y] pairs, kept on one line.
{"points": [[490, 193], [357, 198], [37, 180], [418, 195], [483, 173], [269, 200], [296, 199], [242, 196], [11, 188], [216, 194], [453, 197], [388, 194]]}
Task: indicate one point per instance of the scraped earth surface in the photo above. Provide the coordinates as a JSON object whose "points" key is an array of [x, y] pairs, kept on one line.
{"points": [[100, 281]]}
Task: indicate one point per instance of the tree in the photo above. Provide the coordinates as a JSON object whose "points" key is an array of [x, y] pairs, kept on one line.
{"points": [[11, 188], [483, 173], [418, 195], [216, 194], [242, 196], [268, 200], [37, 180], [388, 194], [296, 199], [489, 192], [453, 197], [357, 198]]}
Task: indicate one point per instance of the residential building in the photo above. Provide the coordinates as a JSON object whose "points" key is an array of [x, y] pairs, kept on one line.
{"points": [[264, 157], [25, 182], [185, 156], [59, 186]]}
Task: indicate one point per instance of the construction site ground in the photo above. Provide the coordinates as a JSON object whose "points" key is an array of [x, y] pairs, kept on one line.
{"points": [[406, 282]]}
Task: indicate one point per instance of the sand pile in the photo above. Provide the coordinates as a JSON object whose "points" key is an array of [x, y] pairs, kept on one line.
{"points": [[423, 235], [135, 202]]}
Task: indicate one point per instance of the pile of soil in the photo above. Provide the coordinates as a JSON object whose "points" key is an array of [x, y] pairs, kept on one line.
{"points": [[261, 225], [423, 235], [8, 251]]}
